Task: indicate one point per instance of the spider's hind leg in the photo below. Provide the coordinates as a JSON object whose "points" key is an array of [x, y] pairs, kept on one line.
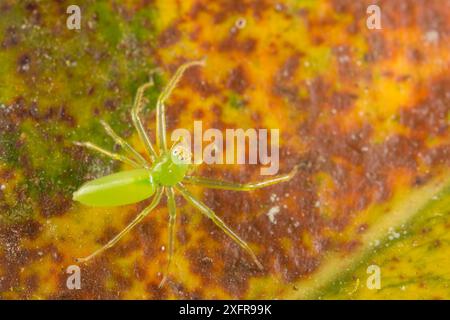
{"points": [[135, 111]]}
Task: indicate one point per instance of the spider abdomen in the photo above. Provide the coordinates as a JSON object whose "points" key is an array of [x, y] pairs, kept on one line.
{"points": [[122, 188]]}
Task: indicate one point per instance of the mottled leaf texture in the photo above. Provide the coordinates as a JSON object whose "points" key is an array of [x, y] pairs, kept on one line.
{"points": [[363, 112]]}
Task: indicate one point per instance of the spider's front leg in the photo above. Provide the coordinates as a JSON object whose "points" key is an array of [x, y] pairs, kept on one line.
{"points": [[217, 221], [160, 107]]}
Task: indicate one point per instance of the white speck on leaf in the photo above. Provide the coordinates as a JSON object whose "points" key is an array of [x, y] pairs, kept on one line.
{"points": [[432, 36], [274, 197], [272, 213]]}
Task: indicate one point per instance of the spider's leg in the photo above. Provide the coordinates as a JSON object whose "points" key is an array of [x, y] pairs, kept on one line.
{"points": [[125, 145], [133, 223], [137, 107], [217, 221], [160, 108], [172, 219], [226, 185], [114, 156]]}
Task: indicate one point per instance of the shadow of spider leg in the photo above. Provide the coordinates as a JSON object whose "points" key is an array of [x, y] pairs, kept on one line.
{"points": [[226, 185], [171, 205], [217, 221], [139, 218], [161, 141]]}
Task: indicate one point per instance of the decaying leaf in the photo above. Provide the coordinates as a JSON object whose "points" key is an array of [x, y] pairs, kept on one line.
{"points": [[365, 113]]}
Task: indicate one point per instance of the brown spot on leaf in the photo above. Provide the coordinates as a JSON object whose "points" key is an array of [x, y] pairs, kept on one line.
{"points": [[430, 115], [237, 80], [54, 205], [231, 43], [282, 82], [169, 36], [196, 80]]}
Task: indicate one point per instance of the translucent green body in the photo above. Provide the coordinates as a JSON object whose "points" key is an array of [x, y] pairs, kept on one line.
{"points": [[132, 186], [169, 170]]}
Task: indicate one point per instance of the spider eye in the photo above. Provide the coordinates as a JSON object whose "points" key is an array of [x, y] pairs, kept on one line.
{"points": [[181, 155]]}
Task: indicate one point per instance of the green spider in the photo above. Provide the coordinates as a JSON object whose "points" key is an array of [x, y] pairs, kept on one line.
{"points": [[166, 172]]}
